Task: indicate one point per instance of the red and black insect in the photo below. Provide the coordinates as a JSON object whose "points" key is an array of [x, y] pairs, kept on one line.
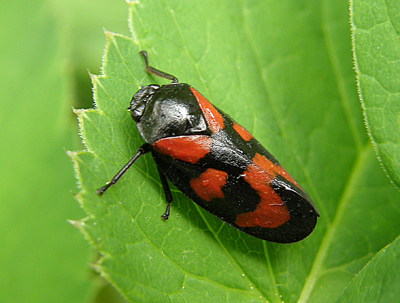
{"points": [[217, 163]]}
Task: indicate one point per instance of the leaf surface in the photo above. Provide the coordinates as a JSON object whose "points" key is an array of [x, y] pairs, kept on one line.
{"points": [[378, 281], [376, 28], [283, 71]]}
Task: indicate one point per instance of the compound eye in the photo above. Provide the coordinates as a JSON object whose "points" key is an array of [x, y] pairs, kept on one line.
{"points": [[140, 100]]}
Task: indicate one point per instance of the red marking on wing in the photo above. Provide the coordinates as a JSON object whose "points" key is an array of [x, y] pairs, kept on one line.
{"points": [[186, 148], [214, 119], [209, 184], [267, 165], [246, 136], [271, 212]]}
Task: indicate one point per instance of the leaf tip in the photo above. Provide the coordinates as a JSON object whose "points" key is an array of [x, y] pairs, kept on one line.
{"points": [[132, 2], [79, 224], [77, 111], [98, 268], [110, 35], [71, 154]]}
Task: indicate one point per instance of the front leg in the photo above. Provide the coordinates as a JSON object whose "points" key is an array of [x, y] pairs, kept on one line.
{"points": [[145, 148]]}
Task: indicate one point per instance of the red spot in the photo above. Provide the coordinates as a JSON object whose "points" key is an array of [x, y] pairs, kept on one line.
{"points": [[271, 212], [208, 185], [186, 148], [214, 119], [267, 165], [246, 136]]}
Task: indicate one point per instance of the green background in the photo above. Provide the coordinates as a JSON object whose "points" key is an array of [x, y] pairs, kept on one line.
{"points": [[282, 70], [47, 48]]}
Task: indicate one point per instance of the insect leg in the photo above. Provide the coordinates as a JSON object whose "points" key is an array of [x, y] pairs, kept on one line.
{"points": [[156, 72], [167, 192], [145, 148]]}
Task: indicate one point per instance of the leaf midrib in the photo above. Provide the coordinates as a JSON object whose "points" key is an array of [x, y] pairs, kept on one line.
{"points": [[362, 152], [331, 229]]}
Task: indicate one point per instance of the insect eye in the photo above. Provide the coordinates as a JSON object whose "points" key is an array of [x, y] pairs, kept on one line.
{"points": [[140, 100]]}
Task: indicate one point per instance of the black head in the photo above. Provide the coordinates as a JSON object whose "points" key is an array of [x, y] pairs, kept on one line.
{"points": [[166, 111], [145, 94], [140, 99]]}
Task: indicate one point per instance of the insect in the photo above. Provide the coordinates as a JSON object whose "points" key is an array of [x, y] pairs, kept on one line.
{"points": [[216, 163]]}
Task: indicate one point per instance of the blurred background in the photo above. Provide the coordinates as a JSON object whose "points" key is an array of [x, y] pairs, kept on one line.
{"points": [[47, 50]]}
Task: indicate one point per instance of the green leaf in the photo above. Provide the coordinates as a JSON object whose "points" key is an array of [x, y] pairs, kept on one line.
{"points": [[283, 71], [376, 27], [379, 280], [42, 258]]}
